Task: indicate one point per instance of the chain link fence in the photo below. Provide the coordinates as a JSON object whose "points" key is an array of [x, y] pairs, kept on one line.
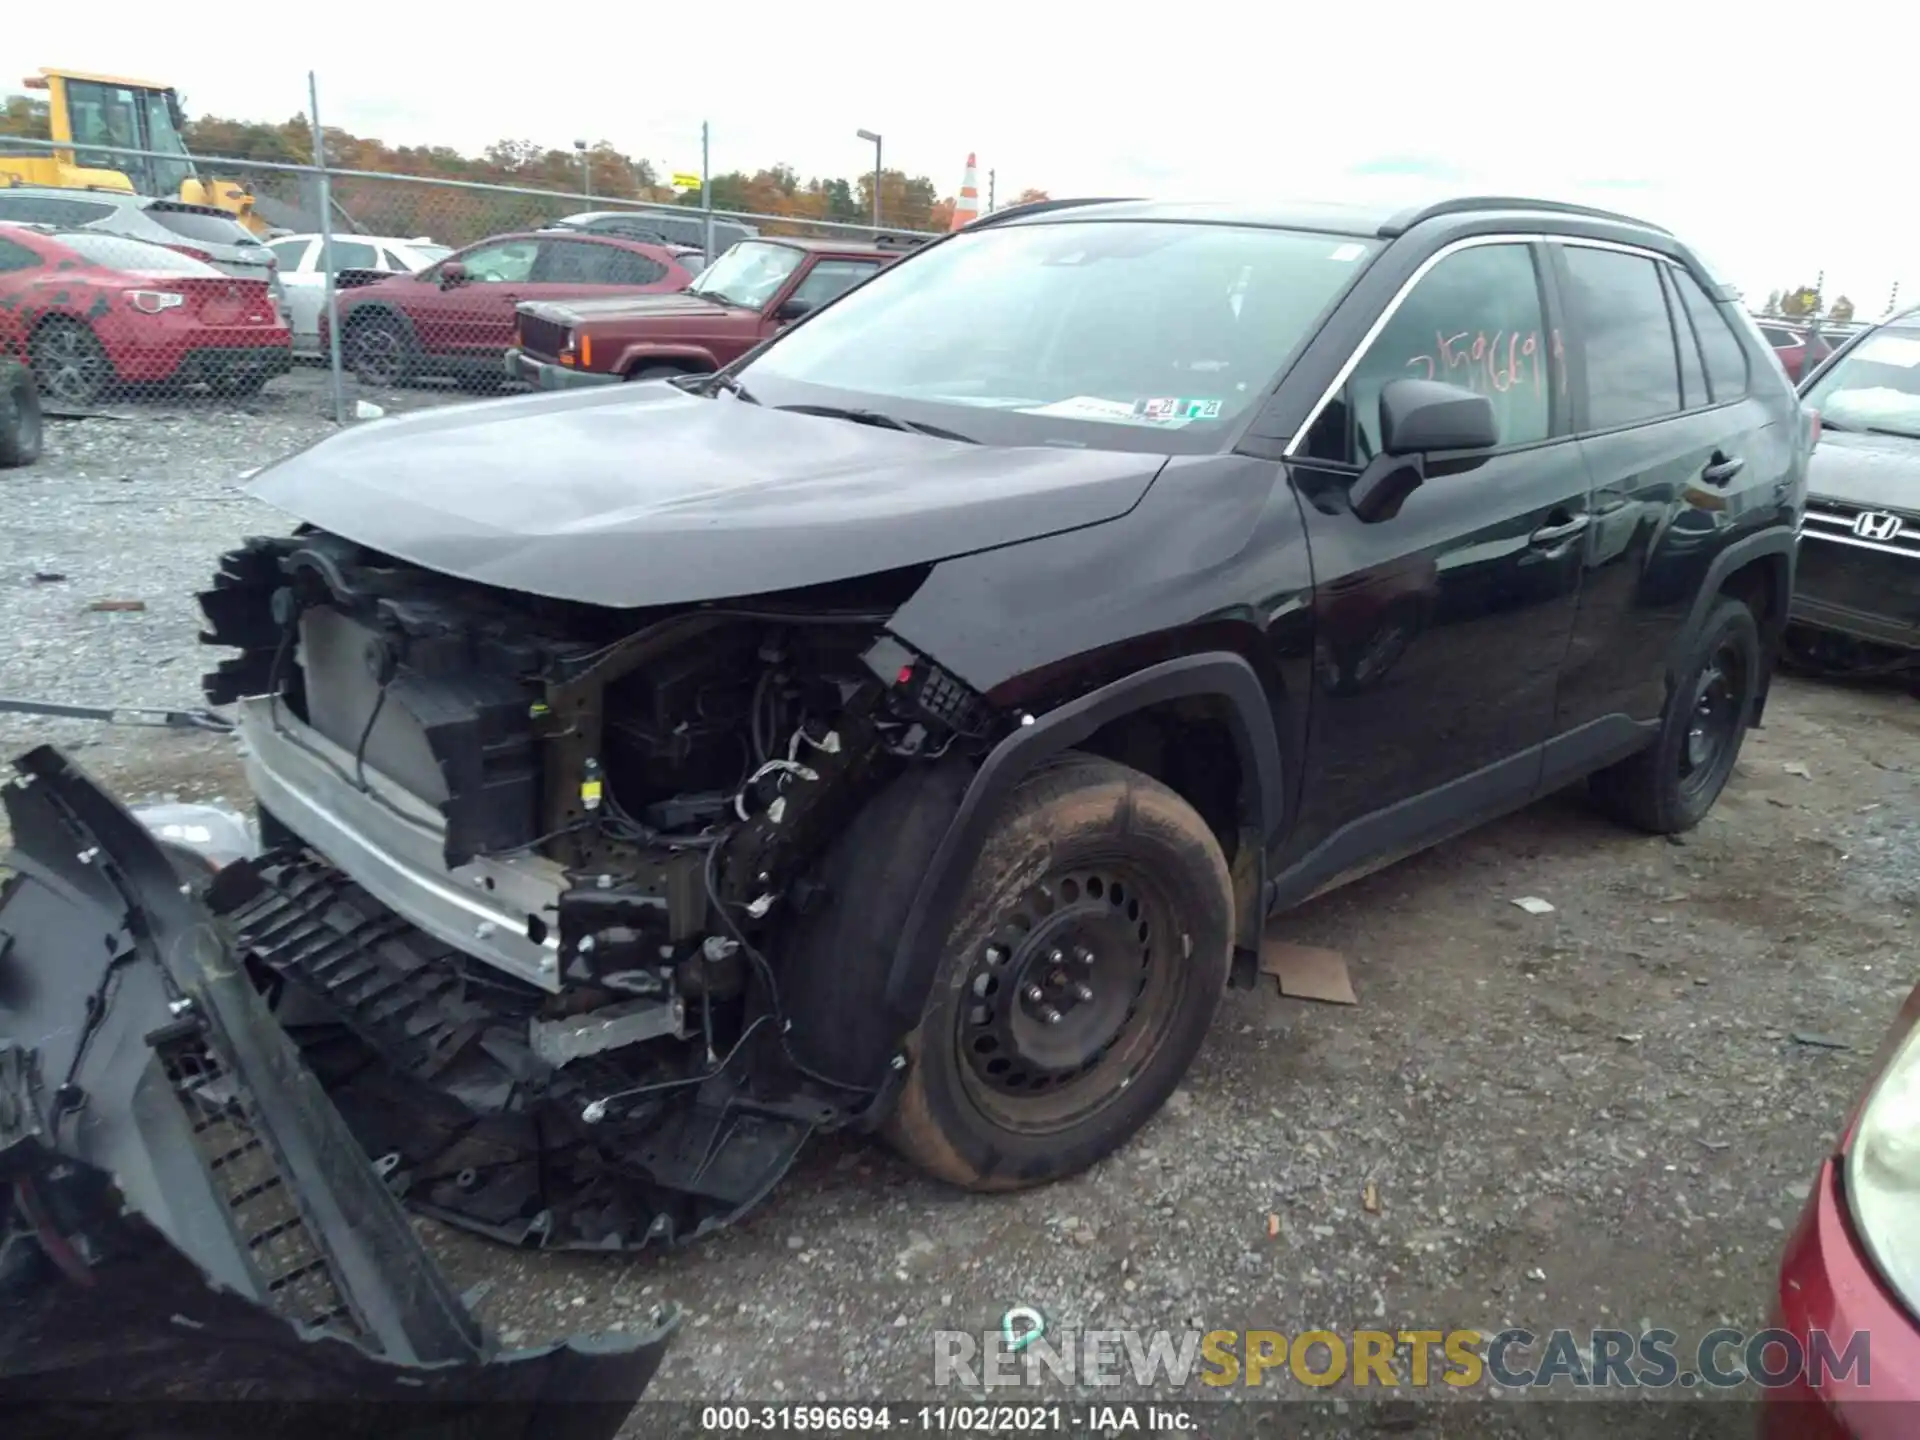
{"points": [[344, 293]]}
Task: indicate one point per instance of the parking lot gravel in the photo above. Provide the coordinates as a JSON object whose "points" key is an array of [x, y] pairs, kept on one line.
{"points": [[1606, 1115]]}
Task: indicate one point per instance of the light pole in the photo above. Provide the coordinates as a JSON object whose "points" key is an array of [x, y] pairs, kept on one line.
{"points": [[586, 170], [870, 135]]}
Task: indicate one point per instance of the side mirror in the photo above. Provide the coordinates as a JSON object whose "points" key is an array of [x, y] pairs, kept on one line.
{"points": [[451, 274], [792, 308], [1418, 418]]}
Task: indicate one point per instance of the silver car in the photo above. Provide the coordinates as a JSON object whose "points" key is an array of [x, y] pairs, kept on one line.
{"points": [[198, 230]]}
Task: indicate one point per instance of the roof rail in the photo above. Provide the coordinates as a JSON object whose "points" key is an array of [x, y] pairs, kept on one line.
{"points": [[1464, 204], [1038, 207]]}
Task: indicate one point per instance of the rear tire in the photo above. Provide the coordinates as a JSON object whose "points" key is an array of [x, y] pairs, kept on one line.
{"points": [[1090, 952], [1670, 786], [21, 429], [69, 363]]}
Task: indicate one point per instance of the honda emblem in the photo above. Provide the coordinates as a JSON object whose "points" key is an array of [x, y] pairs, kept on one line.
{"points": [[1876, 525]]}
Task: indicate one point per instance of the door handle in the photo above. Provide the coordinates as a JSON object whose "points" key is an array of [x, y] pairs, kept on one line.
{"points": [[1548, 535], [1723, 468]]}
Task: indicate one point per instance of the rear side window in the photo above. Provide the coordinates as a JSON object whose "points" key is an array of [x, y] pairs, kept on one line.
{"points": [[581, 262], [16, 257], [351, 255], [50, 210], [1726, 357], [1621, 330], [212, 229], [118, 252]]}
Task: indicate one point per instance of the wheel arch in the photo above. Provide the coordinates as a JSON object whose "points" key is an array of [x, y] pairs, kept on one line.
{"points": [[1223, 682], [1759, 571], [692, 358]]}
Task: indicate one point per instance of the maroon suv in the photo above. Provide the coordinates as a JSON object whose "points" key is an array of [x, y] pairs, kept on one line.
{"points": [[456, 317], [754, 289]]}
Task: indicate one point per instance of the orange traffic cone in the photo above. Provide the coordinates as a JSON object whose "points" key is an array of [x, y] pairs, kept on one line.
{"points": [[967, 208]]}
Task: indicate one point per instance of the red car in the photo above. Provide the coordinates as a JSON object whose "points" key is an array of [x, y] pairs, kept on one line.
{"points": [[455, 317], [1852, 1266], [90, 311], [1798, 351]]}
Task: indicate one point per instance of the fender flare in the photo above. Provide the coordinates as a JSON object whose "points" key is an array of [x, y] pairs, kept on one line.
{"points": [[1220, 674], [637, 355], [1776, 540]]}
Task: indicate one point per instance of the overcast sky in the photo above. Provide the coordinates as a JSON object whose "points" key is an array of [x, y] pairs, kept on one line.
{"points": [[1695, 122]]}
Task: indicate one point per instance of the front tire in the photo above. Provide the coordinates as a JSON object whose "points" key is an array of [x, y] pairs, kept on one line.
{"points": [[1670, 786], [21, 430], [380, 351], [1090, 953]]}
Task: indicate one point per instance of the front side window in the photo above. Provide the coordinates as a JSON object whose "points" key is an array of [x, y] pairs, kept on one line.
{"points": [[1875, 386], [1620, 325], [831, 278], [1142, 335], [1474, 320], [509, 262], [16, 257], [750, 274]]}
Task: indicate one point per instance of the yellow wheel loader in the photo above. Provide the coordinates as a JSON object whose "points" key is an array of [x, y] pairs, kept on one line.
{"points": [[102, 122]]}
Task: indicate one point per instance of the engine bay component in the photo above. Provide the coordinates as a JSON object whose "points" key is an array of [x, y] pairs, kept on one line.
{"points": [[184, 1215], [528, 867]]}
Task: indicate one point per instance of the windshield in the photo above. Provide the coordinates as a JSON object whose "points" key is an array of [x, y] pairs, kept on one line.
{"points": [[1874, 386], [121, 119], [118, 252], [1144, 335], [749, 274]]}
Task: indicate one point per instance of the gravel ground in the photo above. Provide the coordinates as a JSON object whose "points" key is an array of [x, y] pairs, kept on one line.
{"points": [[1594, 1117]]}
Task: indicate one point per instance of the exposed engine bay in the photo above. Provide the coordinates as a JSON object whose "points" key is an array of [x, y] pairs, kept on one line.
{"points": [[531, 868]]}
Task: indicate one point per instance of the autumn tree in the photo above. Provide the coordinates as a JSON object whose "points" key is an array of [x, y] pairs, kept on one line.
{"points": [[1841, 312], [1030, 197], [25, 118], [1772, 307]]}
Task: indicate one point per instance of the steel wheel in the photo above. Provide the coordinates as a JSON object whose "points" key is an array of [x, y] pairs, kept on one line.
{"points": [[1068, 997], [69, 364], [1718, 695]]}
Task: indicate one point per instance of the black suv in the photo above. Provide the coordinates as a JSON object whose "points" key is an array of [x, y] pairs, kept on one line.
{"points": [[1856, 607], [914, 724]]}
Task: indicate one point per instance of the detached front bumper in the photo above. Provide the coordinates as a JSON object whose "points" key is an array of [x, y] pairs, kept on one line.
{"points": [[184, 1215], [545, 375]]}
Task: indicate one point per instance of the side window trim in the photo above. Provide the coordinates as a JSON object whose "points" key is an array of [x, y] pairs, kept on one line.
{"points": [[1298, 440], [1683, 321]]}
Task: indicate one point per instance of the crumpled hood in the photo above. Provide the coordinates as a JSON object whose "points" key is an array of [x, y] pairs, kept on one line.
{"points": [[1881, 472], [642, 495]]}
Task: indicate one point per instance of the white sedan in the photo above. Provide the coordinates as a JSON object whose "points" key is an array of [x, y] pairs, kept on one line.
{"points": [[303, 269]]}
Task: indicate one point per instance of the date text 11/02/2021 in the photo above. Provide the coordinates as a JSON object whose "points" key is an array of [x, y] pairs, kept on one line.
{"points": [[985, 1419]]}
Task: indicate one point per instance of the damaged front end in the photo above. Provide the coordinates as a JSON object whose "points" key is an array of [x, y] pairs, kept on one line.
{"points": [[545, 889], [184, 1216]]}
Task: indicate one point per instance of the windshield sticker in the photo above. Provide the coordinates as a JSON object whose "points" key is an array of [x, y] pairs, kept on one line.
{"points": [[1347, 252], [1123, 412], [1177, 409]]}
